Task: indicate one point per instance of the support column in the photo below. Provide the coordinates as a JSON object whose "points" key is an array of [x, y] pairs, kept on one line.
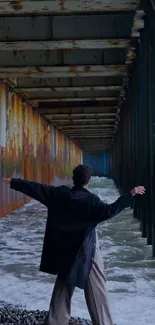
{"points": [[151, 19]]}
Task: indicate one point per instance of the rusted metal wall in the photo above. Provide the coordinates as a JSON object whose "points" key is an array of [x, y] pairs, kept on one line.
{"points": [[29, 148]]}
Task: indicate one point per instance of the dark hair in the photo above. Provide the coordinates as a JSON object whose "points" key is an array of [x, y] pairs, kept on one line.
{"points": [[81, 175]]}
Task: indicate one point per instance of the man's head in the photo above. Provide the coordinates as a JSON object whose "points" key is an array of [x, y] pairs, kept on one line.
{"points": [[81, 175]]}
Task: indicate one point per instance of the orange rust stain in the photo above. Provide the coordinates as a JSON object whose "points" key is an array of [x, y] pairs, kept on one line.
{"points": [[73, 68], [113, 42], [74, 44], [132, 6], [62, 5], [16, 4], [27, 150], [38, 69], [118, 69], [87, 69], [108, 7]]}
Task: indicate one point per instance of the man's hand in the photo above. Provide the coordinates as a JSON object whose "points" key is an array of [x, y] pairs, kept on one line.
{"points": [[6, 180], [138, 190]]}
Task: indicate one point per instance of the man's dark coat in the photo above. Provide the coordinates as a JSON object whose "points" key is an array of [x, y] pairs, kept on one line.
{"points": [[73, 214]]}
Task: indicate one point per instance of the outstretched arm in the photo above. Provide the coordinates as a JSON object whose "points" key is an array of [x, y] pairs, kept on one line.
{"points": [[107, 211], [40, 192]]}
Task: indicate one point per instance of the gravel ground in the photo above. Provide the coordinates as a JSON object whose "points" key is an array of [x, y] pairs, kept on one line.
{"points": [[13, 316]]}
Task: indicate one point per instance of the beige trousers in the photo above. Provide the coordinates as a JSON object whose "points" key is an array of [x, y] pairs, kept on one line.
{"points": [[96, 296]]}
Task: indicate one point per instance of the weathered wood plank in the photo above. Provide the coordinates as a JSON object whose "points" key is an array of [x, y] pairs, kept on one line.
{"points": [[63, 45], [70, 120], [72, 115], [77, 110], [75, 99], [18, 7], [58, 119], [68, 89], [67, 71], [92, 137], [87, 127]]}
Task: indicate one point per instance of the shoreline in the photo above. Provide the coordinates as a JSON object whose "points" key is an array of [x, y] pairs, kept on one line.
{"points": [[12, 315]]}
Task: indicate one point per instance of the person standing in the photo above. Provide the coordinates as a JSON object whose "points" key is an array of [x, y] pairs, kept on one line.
{"points": [[71, 247]]}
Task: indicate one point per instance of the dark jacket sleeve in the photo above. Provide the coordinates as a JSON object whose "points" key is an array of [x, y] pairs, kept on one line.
{"points": [[106, 211], [40, 192]]}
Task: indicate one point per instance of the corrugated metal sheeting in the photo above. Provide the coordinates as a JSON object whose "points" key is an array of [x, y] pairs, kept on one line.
{"points": [[98, 162], [29, 148]]}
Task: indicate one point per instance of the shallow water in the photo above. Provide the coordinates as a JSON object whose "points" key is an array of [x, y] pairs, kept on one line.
{"points": [[128, 263]]}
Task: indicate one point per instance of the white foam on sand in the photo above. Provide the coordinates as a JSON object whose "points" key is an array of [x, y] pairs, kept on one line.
{"points": [[129, 267]]}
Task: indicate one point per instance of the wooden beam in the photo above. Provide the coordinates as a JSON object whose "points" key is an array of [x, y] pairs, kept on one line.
{"points": [[82, 132], [84, 136], [88, 143], [87, 131], [91, 136], [56, 120], [76, 140], [86, 126], [84, 115], [103, 145], [18, 7], [94, 149], [79, 104], [63, 72], [75, 99], [84, 129], [68, 89], [94, 139], [77, 110], [93, 144], [63, 45]]}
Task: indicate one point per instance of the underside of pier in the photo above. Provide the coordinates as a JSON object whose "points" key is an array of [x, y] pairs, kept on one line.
{"points": [[77, 83]]}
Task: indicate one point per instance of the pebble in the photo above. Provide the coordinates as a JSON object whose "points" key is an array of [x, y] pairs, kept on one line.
{"points": [[10, 315]]}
